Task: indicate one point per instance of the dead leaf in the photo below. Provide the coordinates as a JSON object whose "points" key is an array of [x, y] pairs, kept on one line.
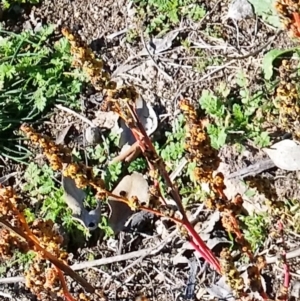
{"points": [[219, 292], [285, 154], [158, 45], [74, 197], [61, 136], [5, 178], [140, 220], [212, 242], [209, 224], [179, 259], [106, 120], [239, 10], [123, 69], [148, 118], [235, 185], [131, 185], [295, 289], [161, 228]]}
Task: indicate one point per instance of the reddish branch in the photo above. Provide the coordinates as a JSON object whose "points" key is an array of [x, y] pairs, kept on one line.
{"points": [[156, 164], [283, 294]]}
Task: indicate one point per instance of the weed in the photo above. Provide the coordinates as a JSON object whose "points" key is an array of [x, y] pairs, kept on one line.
{"points": [[215, 31], [173, 150], [203, 61], [112, 174], [29, 215], [8, 3], [191, 194], [131, 36], [33, 76], [108, 232], [163, 14], [39, 181], [41, 187], [293, 214], [234, 118], [97, 153], [186, 43], [255, 229], [138, 165], [20, 259]]}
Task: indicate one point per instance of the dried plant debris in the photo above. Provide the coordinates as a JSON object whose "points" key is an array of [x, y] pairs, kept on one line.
{"points": [[159, 45], [74, 198], [220, 230], [198, 145], [288, 11], [42, 238], [286, 98], [147, 117], [285, 154], [133, 185]]}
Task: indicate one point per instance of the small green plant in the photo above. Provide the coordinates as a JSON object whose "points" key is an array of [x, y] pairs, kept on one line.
{"points": [[131, 36], [202, 62], [173, 150], [39, 181], [8, 3], [97, 153], [40, 185], [163, 14], [255, 229], [29, 215], [112, 173], [234, 118], [34, 75], [108, 232], [138, 165], [22, 260]]}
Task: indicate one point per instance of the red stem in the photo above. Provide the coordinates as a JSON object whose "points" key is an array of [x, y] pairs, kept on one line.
{"points": [[200, 246], [286, 268], [197, 242]]}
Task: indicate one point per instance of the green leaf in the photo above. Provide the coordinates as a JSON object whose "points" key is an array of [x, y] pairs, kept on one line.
{"points": [[241, 79], [40, 100], [266, 9], [45, 189], [138, 165], [268, 59], [32, 174], [262, 140], [211, 104], [217, 136], [29, 215]]}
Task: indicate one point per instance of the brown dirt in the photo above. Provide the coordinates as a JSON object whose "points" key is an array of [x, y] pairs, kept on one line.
{"points": [[95, 20]]}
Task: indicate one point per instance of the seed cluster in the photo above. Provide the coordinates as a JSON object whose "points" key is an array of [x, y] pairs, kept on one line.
{"points": [[232, 275], [42, 280], [198, 145], [55, 154], [60, 158], [287, 100], [38, 277], [85, 59], [115, 99], [288, 11], [10, 241]]}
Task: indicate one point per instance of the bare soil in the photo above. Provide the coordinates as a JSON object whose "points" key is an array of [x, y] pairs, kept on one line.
{"points": [[103, 24]]}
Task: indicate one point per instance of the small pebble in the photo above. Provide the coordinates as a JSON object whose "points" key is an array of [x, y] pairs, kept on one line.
{"points": [[239, 10], [93, 135]]}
